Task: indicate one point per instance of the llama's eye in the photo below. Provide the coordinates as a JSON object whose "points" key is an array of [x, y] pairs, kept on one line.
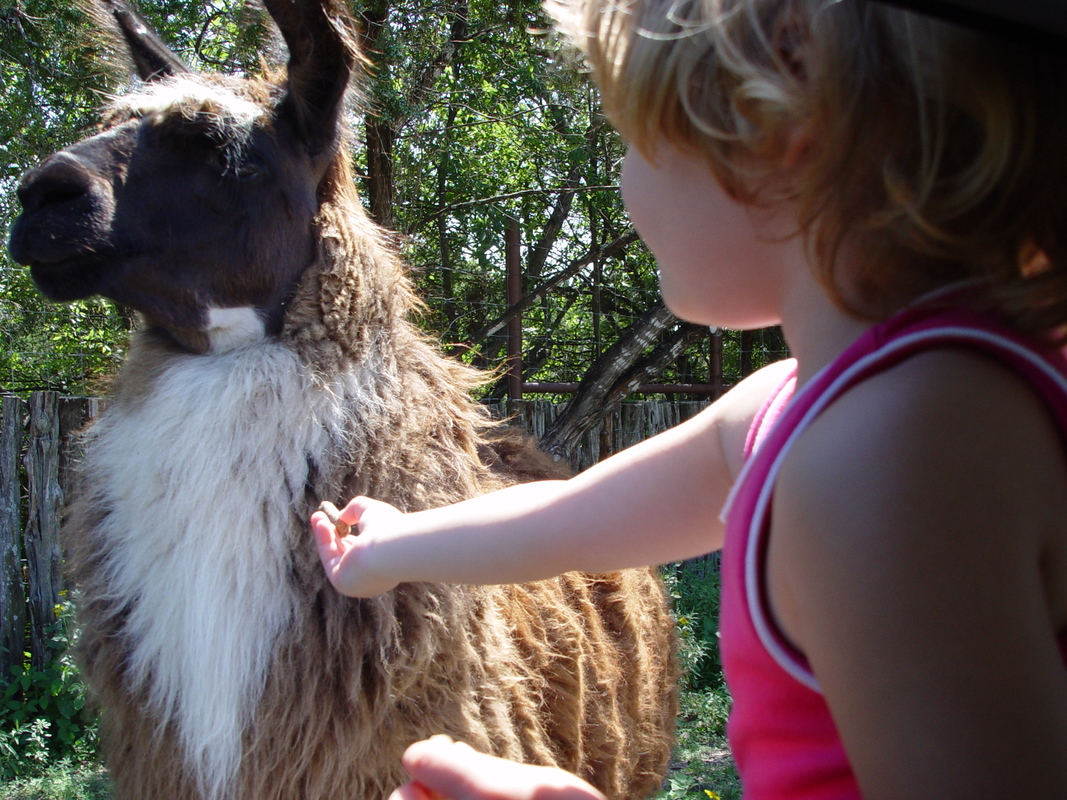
{"points": [[243, 166], [247, 169]]}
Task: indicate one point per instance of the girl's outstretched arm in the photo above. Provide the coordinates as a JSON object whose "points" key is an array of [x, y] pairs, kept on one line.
{"points": [[918, 558], [655, 502]]}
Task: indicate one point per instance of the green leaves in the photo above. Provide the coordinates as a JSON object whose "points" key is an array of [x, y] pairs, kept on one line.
{"points": [[43, 714], [694, 587]]}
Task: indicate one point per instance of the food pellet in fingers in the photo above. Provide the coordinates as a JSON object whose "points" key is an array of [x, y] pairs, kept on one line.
{"points": [[330, 510]]}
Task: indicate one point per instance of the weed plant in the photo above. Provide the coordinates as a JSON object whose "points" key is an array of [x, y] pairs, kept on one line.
{"points": [[694, 589], [63, 780], [43, 715], [701, 767]]}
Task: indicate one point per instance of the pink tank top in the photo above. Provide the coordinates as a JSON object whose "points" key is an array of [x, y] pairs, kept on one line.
{"points": [[781, 734]]}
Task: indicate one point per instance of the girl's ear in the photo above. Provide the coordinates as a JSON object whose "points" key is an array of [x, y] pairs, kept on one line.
{"points": [[791, 42], [798, 142], [791, 39]]}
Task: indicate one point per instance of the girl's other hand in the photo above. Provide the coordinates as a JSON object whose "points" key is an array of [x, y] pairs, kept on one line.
{"points": [[344, 552], [441, 768]]}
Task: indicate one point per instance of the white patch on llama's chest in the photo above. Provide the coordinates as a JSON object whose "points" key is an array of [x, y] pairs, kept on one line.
{"points": [[202, 481], [230, 328]]}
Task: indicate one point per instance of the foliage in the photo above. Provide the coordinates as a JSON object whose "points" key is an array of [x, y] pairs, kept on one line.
{"points": [[485, 125], [506, 135], [63, 780], [694, 588], [702, 768], [43, 713]]}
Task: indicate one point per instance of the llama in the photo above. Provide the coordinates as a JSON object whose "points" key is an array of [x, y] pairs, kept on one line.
{"points": [[276, 366]]}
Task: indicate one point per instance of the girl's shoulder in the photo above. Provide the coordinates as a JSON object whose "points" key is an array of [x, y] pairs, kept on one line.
{"points": [[733, 414], [919, 554], [926, 410], [945, 435]]}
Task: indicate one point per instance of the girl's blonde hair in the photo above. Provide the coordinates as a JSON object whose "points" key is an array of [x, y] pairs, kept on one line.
{"points": [[943, 152]]}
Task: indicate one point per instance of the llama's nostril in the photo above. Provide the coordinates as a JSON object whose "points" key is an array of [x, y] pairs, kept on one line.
{"points": [[67, 211], [57, 195], [55, 182]]}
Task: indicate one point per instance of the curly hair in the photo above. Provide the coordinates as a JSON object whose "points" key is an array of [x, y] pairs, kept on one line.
{"points": [[936, 149]]}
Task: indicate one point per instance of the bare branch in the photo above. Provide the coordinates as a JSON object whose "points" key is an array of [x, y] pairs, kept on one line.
{"points": [[459, 31], [619, 371], [497, 198], [608, 250]]}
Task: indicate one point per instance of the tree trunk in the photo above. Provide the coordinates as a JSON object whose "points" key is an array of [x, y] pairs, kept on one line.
{"points": [[381, 189], [619, 371], [378, 132], [609, 250], [380, 129]]}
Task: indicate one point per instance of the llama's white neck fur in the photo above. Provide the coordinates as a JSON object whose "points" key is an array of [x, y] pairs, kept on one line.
{"points": [[230, 328], [201, 478]]}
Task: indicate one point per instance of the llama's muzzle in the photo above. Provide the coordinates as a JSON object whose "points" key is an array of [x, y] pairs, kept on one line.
{"points": [[64, 227]]}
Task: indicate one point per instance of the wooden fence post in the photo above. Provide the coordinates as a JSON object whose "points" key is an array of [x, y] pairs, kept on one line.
{"points": [[43, 553], [12, 592], [74, 413]]}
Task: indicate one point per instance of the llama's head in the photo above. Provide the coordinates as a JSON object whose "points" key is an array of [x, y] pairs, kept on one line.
{"points": [[194, 203]]}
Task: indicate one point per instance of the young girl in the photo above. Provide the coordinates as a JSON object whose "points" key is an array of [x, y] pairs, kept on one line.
{"points": [[890, 189]]}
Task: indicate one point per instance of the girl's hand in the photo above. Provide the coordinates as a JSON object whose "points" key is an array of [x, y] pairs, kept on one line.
{"points": [[441, 768], [345, 555]]}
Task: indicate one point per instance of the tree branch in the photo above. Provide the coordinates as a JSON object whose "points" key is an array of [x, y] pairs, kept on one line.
{"points": [[618, 372], [497, 198], [459, 31], [608, 250]]}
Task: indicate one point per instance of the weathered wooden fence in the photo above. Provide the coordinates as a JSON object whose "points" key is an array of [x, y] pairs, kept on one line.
{"points": [[39, 448], [629, 424]]}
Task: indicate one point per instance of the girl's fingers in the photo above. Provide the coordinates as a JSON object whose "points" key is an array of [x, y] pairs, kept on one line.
{"points": [[325, 532], [415, 791], [359, 506], [444, 767], [456, 771], [331, 544]]}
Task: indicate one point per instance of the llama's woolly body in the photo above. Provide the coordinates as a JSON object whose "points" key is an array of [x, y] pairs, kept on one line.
{"points": [[204, 605], [279, 367]]}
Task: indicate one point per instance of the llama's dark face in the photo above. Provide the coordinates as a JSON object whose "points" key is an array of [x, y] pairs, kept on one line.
{"points": [[194, 203], [189, 201]]}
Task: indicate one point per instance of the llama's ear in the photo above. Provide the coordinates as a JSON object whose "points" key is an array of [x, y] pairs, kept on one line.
{"points": [[151, 57], [323, 51]]}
